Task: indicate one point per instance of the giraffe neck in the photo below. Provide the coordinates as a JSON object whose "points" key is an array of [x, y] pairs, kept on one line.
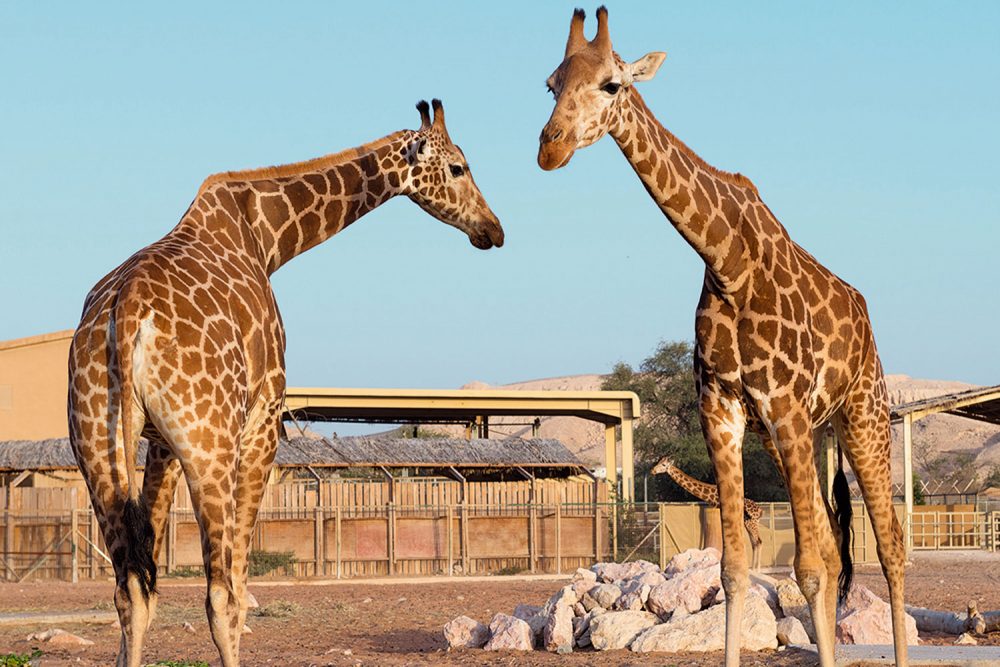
{"points": [[704, 204], [701, 490], [295, 207]]}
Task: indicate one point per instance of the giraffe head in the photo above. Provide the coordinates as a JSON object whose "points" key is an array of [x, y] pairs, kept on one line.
{"points": [[661, 466], [589, 86], [439, 181]]}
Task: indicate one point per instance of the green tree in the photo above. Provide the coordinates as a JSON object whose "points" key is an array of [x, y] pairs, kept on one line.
{"points": [[670, 424]]}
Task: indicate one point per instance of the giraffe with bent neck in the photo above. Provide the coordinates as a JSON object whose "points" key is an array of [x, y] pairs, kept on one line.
{"points": [[184, 344], [709, 494], [782, 344]]}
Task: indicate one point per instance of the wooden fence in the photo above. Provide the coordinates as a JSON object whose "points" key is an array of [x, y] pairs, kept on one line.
{"points": [[418, 527]]}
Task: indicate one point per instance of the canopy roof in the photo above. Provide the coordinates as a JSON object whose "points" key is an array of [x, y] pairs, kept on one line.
{"points": [[982, 404], [346, 452]]}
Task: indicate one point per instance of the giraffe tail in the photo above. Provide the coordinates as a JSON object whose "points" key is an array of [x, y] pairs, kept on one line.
{"points": [[844, 514], [135, 514]]}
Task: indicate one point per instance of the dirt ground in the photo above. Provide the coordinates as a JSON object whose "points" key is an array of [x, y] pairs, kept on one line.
{"points": [[400, 623]]}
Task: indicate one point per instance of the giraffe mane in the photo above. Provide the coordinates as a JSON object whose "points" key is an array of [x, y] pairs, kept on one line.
{"points": [[731, 177], [296, 168]]}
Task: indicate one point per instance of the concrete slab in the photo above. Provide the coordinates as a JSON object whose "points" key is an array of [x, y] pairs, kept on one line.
{"points": [[920, 656]]}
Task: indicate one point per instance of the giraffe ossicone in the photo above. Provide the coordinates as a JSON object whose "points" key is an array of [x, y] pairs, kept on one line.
{"points": [[782, 344], [183, 343]]}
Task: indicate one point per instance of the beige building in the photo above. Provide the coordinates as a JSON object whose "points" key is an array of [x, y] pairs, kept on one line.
{"points": [[33, 385]]}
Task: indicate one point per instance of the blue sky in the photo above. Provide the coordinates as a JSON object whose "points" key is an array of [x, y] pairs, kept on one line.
{"points": [[869, 130]]}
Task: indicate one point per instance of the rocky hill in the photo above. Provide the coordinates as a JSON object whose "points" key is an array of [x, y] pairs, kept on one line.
{"points": [[946, 434]]}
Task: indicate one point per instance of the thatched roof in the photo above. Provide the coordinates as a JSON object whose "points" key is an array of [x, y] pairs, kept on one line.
{"points": [[56, 454]]}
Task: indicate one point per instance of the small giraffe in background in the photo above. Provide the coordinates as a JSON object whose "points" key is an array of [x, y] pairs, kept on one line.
{"points": [[183, 343], [709, 494]]}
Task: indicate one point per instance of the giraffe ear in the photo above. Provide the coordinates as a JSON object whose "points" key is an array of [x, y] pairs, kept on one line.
{"points": [[645, 68]]}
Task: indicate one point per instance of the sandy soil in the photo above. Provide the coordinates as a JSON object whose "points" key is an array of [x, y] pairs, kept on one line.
{"points": [[400, 623]]}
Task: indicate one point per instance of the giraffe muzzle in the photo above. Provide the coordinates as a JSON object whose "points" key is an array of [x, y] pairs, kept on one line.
{"points": [[555, 149]]}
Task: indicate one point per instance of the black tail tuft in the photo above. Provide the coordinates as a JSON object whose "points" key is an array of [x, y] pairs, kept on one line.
{"points": [[139, 553], [843, 513]]}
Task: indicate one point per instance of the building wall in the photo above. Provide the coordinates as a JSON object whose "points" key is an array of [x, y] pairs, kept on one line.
{"points": [[33, 385]]}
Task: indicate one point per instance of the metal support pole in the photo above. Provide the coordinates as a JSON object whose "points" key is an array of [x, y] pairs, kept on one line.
{"points": [[628, 462], [908, 481], [611, 455]]}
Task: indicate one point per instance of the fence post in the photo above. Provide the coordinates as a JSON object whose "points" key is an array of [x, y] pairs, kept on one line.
{"points": [[464, 540], [532, 547], [338, 539], [451, 539], [92, 550], [614, 532], [391, 518], [171, 541], [597, 532], [663, 535], [558, 538], [8, 540], [320, 558], [74, 526]]}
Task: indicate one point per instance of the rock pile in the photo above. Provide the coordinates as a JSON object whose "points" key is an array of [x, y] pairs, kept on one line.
{"points": [[636, 605]]}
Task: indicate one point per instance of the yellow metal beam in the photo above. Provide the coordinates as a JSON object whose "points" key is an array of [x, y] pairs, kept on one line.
{"points": [[602, 406]]}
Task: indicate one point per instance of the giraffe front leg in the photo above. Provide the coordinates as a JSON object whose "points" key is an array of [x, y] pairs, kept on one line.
{"points": [[723, 422], [814, 540]]}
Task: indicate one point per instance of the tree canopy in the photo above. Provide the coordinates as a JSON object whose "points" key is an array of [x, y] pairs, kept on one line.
{"points": [[670, 425]]}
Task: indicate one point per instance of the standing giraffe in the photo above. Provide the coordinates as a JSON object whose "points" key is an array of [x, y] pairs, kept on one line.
{"points": [[184, 343], [782, 344], [709, 493]]}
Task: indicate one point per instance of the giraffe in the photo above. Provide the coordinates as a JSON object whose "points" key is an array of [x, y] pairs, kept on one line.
{"points": [[709, 493], [782, 344], [183, 343]]}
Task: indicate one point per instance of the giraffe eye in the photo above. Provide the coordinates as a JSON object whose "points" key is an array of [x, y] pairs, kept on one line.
{"points": [[611, 88], [457, 170]]}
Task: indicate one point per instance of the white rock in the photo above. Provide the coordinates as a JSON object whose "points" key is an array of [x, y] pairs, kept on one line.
{"points": [[509, 633], [601, 595], [558, 634], [965, 639], [581, 626], [791, 632], [635, 599], [793, 603], [706, 630], [612, 572], [247, 630], [188, 628], [464, 632], [58, 637], [583, 580], [865, 618], [689, 590], [535, 617], [617, 629], [579, 610], [692, 558], [252, 601]]}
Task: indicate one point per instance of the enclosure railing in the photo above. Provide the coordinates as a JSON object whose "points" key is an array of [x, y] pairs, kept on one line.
{"points": [[438, 539]]}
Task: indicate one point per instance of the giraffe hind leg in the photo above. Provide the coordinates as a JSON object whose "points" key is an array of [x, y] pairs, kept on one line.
{"points": [[866, 444]]}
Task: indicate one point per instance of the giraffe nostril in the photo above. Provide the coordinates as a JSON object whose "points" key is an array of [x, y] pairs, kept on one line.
{"points": [[556, 136]]}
